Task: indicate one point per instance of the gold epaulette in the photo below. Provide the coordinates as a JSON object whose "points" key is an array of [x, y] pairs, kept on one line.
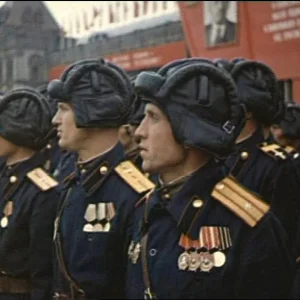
{"points": [[293, 152], [240, 201], [41, 179], [290, 149], [275, 151], [134, 177]]}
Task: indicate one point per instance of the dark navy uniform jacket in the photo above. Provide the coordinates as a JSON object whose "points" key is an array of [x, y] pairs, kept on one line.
{"points": [[296, 164], [96, 260], [274, 179], [65, 166], [26, 242], [257, 264], [54, 153]]}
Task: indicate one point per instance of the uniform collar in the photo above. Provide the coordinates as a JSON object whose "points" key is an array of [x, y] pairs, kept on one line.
{"points": [[12, 176], [255, 139], [21, 168], [92, 173], [244, 152], [191, 200]]}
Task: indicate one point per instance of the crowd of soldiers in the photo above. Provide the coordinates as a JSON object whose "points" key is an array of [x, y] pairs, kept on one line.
{"points": [[178, 184]]}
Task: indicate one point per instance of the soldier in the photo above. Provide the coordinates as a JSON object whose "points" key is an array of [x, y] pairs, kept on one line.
{"points": [[199, 234], [287, 132], [257, 162], [126, 133], [99, 197], [28, 198]]}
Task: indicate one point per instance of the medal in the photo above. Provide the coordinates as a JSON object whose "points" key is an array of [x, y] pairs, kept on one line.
{"points": [[219, 259], [212, 237], [55, 228], [187, 260], [136, 253], [184, 261], [88, 228], [8, 210], [90, 213], [101, 211], [98, 228], [107, 227], [110, 211], [130, 249], [4, 222], [195, 261], [207, 262]]}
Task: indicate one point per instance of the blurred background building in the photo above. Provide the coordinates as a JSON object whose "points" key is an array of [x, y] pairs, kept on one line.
{"points": [[37, 42]]}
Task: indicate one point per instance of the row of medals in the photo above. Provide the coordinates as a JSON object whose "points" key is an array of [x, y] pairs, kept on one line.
{"points": [[97, 227], [203, 261], [191, 261], [102, 213]]}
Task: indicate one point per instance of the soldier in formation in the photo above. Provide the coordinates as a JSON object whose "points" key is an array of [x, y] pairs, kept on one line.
{"points": [[168, 185]]}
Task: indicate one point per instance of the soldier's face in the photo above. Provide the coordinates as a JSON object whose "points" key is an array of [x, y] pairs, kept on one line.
{"points": [[218, 10], [159, 149], [279, 136], [7, 148], [71, 138]]}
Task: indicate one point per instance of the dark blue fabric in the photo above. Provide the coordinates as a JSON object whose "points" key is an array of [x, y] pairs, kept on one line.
{"points": [[26, 243], [14, 296], [275, 181], [257, 265], [97, 260]]}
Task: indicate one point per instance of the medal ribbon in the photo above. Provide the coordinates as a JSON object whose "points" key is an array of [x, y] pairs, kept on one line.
{"points": [[213, 237]]}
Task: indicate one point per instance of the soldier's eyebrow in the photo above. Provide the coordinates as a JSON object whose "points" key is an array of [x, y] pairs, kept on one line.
{"points": [[151, 111], [62, 105]]}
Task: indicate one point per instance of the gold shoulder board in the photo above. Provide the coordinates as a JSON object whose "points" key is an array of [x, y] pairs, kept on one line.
{"points": [[41, 179], [240, 201], [290, 149], [275, 151], [134, 177]]}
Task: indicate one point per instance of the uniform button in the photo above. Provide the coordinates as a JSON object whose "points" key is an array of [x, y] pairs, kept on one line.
{"points": [[167, 196], [153, 252], [296, 155], [49, 146], [197, 203], [83, 171], [244, 155], [103, 170], [13, 179]]}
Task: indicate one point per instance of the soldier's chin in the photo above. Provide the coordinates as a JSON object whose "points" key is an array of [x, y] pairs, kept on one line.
{"points": [[148, 167], [63, 144]]}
